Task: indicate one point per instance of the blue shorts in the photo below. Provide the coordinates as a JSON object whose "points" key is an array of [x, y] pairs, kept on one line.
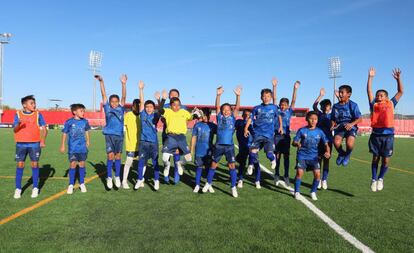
{"points": [[132, 154], [174, 142], [308, 165], [341, 131], [203, 161], [282, 143], [260, 142], [226, 150], [148, 150], [381, 145], [77, 157], [24, 149], [114, 143]]}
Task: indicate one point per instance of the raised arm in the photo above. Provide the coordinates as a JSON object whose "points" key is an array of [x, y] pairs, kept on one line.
{"points": [[295, 89], [123, 80], [396, 73], [141, 86], [371, 74], [220, 91], [274, 84], [237, 91], [318, 99], [161, 104], [102, 85]]}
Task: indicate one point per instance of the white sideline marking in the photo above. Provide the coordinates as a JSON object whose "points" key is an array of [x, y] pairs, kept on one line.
{"points": [[325, 218]]}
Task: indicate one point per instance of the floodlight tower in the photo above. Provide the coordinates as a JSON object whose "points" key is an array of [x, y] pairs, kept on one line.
{"points": [[95, 63], [334, 70], [4, 39]]}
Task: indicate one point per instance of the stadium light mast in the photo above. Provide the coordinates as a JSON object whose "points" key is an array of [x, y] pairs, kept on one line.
{"points": [[95, 63], [4, 39], [334, 70]]}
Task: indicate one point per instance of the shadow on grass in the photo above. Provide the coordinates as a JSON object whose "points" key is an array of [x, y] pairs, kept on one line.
{"points": [[45, 172]]}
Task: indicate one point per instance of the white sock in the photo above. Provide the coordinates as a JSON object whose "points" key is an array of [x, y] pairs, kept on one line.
{"points": [[128, 164]]}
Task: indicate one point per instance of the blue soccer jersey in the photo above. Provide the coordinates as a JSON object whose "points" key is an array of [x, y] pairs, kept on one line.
{"points": [[114, 118], [325, 123], [204, 133], [149, 126], [264, 118], [225, 129], [345, 113], [241, 139], [75, 130], [309, 140], [286, 116]]}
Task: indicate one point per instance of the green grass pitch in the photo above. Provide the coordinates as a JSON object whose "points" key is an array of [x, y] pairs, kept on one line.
{"points": [[175, 219]]}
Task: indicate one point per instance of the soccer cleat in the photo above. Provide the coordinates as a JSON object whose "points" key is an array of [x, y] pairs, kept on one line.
{"points": [[125, 185], [250, 169], [180, 168], [346, 159], [258, 185], [240, 184], [156, 185], [17, 193], [287, 181], [297, 195], [320, 185], [70, 189], [339, 160], [374, 185], [380, 184], [196, 189], [273, 164], [324, 184], [117, 182], [276, 180], [82, 188], [109, 182], [313, 196], [35, 193], [206, 187], [234, 192], [210, 189], [139, 184]]}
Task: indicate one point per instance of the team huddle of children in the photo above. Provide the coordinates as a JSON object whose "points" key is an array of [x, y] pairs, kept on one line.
{"points": [[266, 126]]}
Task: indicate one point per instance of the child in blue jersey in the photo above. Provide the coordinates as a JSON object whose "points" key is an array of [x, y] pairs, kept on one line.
{"points": [[113, 130], [324, 123], [148, 146], [282, 141], [307, 141], [381, 140], [263, 118], [76, 131], [30, 133], [244, 144], [202, 144], [345, 116], [173, 93], [226, 118]]}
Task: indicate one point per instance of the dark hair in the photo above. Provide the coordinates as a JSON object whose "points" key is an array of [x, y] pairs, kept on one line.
{"points": [[136, 102], [284, 100], [74, 107], [174, 99], [247, 110], [378, 91], [149, 102], [264, 91], [346, 87], [325, 102], [172, 90], [310, 113], [206, 111], [113, 96], [223, 105], [27, 98]]}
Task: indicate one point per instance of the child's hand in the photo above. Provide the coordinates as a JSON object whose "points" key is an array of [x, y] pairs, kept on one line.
{"points": [[349, 126], [123, 78], [62, 148], [322, 92], [280, 130], [98, 77], [238, 90], [337, 93], [246, 133], [327, 155], [87, 144], [157, 95], [141, 85], [371, 72], [274, 81], [297, 84], [42, 144], [220, 90], [164, 94], [396, 73]]}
